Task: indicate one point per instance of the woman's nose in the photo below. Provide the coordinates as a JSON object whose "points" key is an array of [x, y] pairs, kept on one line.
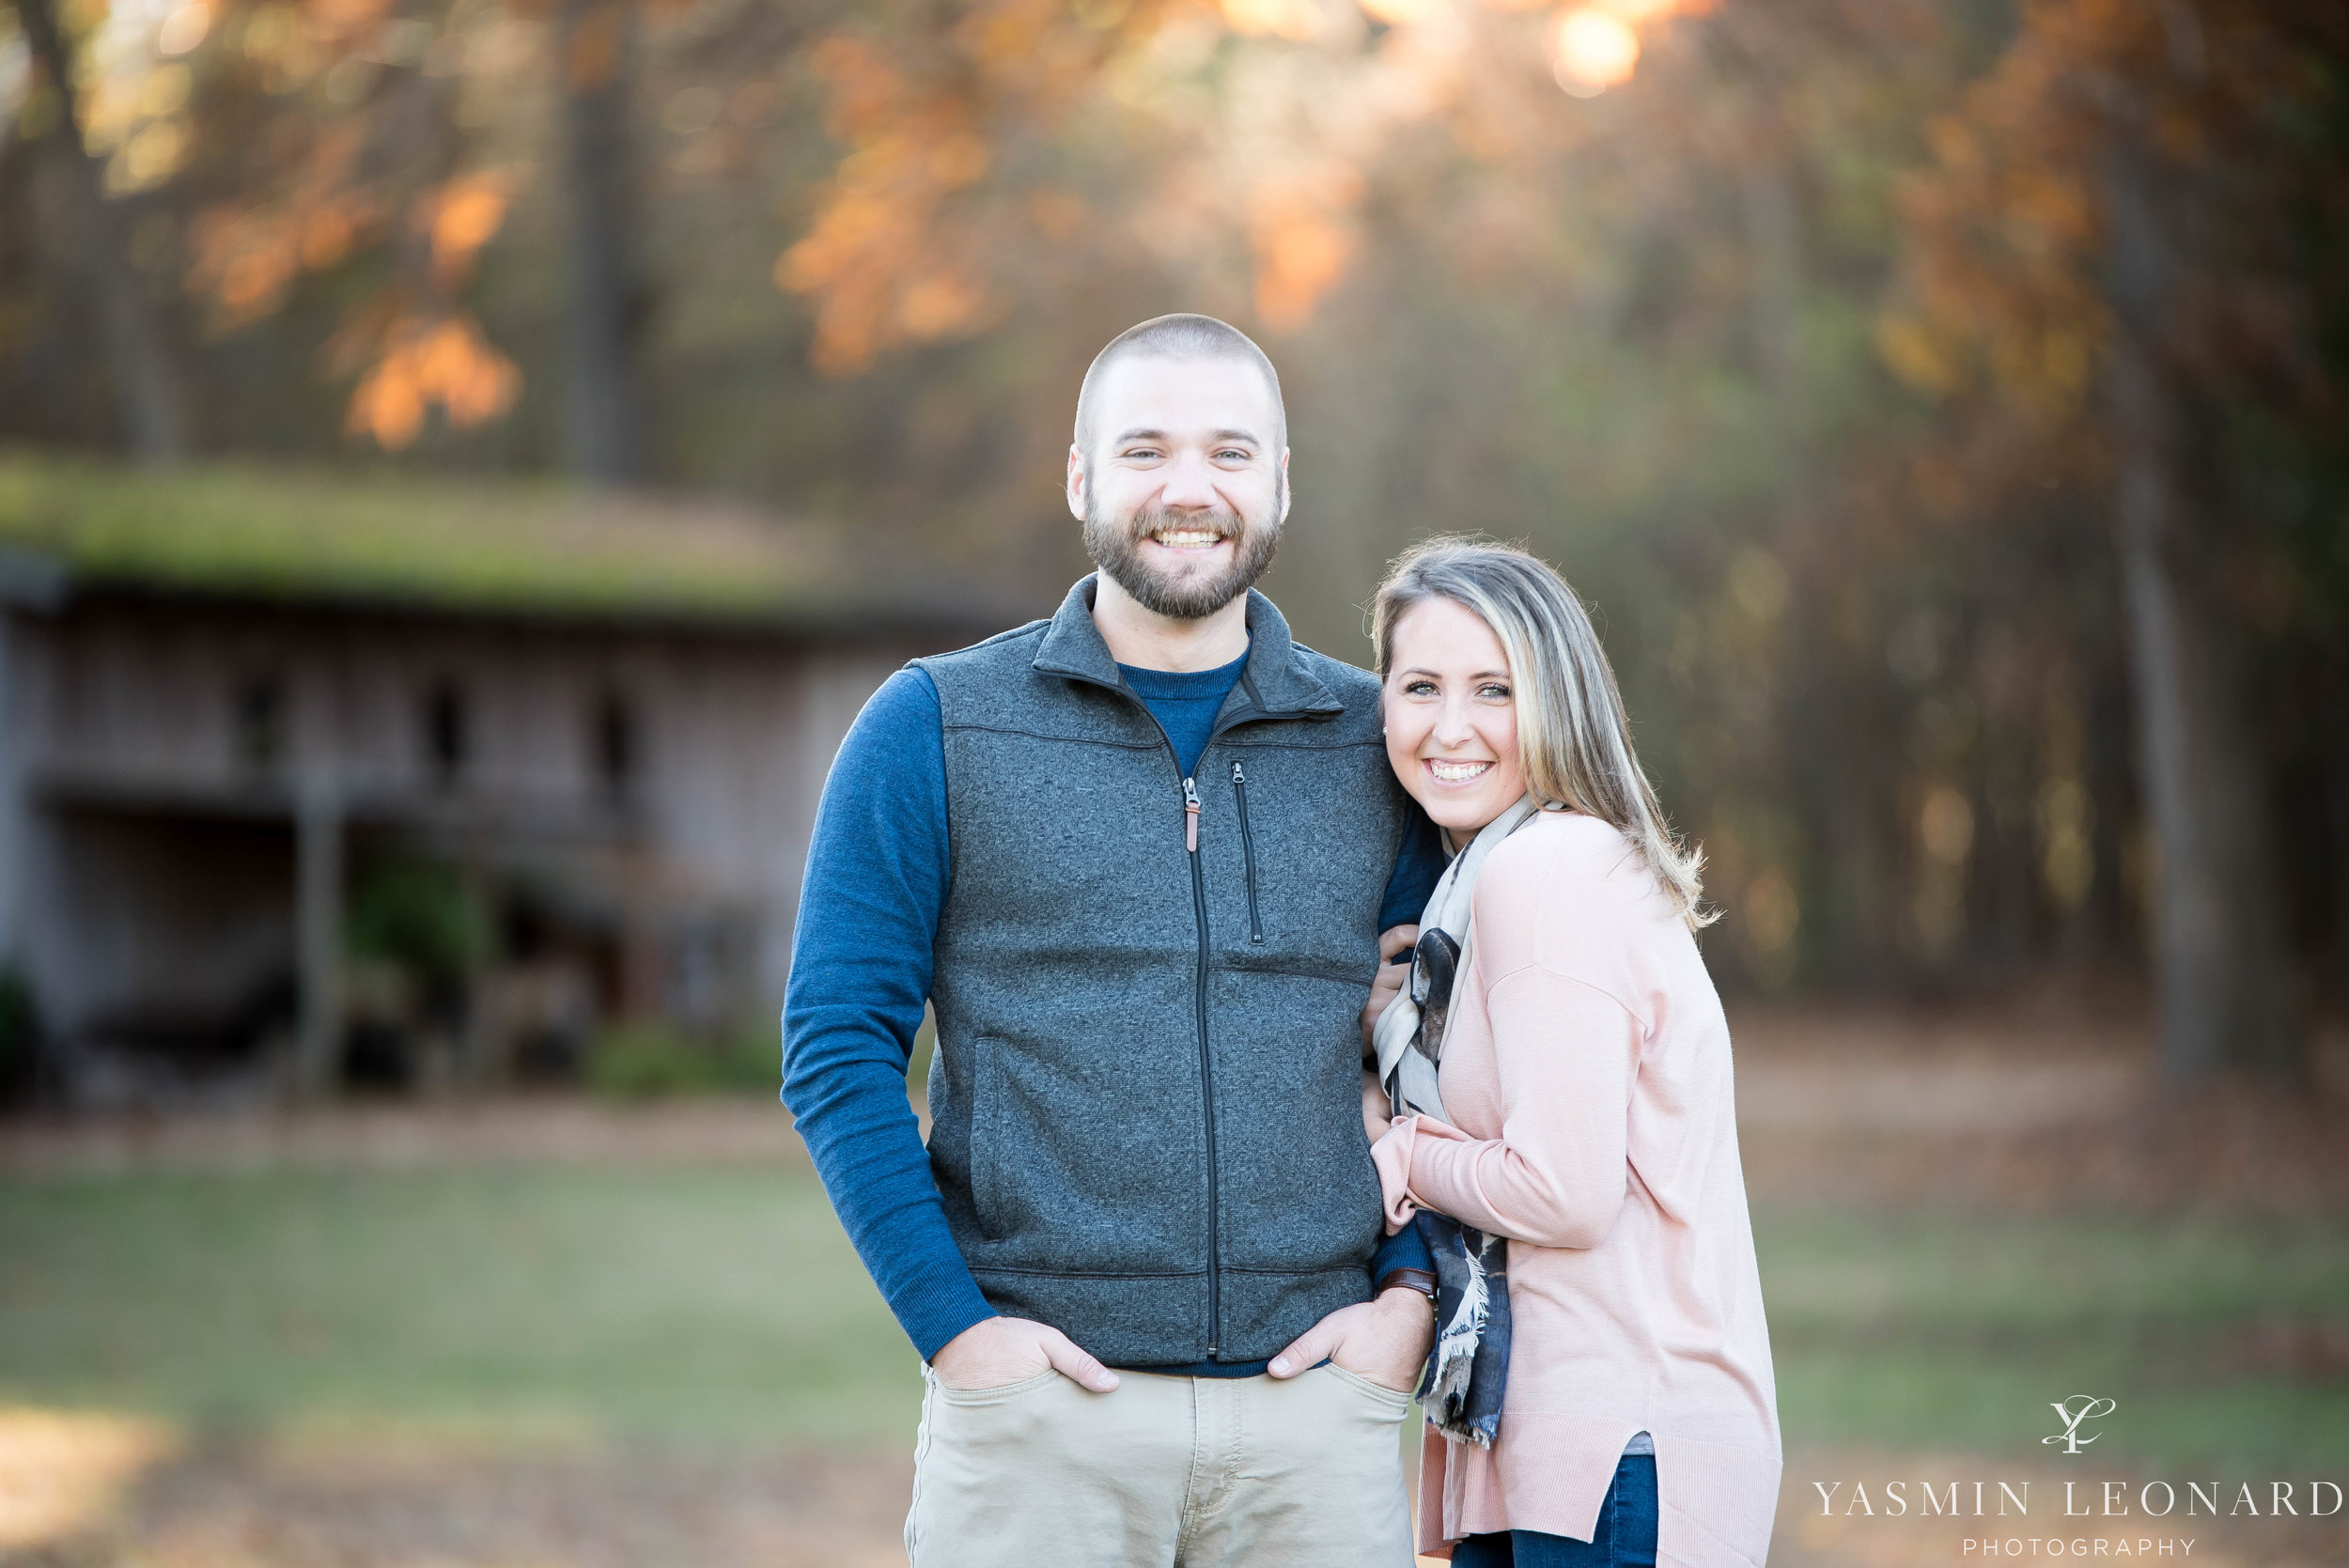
{"points": [[1451, 725]]}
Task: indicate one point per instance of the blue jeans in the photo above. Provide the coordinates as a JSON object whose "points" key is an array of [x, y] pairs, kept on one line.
{"points": [[1625, 1537]]}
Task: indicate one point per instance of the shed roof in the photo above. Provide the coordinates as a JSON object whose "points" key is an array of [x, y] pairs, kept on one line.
{"points": [[534, 547]]}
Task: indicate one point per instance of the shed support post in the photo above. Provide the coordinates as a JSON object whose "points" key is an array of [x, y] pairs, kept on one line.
{"points": [[319, 940]]}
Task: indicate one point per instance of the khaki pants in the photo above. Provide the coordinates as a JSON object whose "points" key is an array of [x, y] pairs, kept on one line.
{"points": [[1164, 1472]]}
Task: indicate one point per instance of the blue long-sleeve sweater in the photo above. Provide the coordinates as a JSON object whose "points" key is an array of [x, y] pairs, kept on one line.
{"points": [[869, 908]]}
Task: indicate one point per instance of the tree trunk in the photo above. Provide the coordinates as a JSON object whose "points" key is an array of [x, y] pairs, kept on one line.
{"points": [[2221, 964], [604, 403], [137, 356]]}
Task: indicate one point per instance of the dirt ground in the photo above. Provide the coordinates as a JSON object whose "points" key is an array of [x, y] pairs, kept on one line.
{"points": [[2022, 1106], [2023, 1103], [340, 1507]]}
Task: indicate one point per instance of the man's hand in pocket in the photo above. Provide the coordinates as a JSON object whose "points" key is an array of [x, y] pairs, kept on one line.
{"points": [[1385, 1341], [997, 1352]]}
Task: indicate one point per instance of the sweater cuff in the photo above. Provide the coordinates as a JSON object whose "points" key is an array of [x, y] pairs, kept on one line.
{"points": [[1405, 1249], [1391, 1155], [935, 1321]]}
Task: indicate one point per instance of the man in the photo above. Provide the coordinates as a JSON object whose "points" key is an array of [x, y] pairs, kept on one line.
{"points": [[1137, 857]]}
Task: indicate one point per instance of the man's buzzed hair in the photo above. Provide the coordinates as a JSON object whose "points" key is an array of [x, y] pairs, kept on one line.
{"points": [[1179, 338]]}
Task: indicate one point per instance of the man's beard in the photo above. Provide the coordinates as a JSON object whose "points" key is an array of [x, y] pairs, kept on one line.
{"points": [[1116, 548]]}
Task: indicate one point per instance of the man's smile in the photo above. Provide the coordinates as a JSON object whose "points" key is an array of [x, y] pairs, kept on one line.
{"points": [[1188, 541]]}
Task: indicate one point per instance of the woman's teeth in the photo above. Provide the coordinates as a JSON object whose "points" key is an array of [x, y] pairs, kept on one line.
{"points": [[1188, 538], [1457, 772]]}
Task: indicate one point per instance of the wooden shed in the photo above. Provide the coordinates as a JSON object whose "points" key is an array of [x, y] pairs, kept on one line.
{"points": [[244, 708]]}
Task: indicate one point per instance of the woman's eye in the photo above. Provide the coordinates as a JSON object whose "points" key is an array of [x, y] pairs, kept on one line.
{"points": [[1420, 689], [1494, 691]]}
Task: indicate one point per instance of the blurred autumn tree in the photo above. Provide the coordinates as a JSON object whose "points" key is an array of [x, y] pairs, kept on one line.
{"points": [[138, 357], [1800, 333], [2126, 274]]}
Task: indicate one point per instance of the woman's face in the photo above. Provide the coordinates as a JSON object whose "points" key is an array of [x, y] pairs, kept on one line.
{"points": [[1452, 723]]}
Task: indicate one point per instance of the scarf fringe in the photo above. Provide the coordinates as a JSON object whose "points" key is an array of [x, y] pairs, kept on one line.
{"points": [[1455, 1365]]}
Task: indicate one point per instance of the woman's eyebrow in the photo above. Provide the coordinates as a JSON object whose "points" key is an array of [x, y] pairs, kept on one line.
{"points": [[1480, 674]]}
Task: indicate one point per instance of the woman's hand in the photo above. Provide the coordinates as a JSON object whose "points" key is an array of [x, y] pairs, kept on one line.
{"points": [[1388, 983], [1384, 988], [1377, 1110]]}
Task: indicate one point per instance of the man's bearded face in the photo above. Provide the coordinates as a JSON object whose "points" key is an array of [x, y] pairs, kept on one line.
{"points": [[1144, 555]]}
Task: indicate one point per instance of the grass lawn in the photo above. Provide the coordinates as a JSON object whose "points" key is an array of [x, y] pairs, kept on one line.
{"points": [[1923, 1330], [723, 1305], [546, 1303]]}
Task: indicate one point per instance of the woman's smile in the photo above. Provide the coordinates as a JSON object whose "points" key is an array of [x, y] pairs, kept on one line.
{"points": [[1457, 771]]}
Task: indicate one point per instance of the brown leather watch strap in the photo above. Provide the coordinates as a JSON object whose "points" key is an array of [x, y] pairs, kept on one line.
{"points": [[1408, 1278]]}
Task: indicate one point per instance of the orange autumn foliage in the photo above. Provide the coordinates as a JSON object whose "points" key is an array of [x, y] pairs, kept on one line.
{"points": [[460, 217], [909, 234], [2004, 297], [420, 361], [904, 243]]}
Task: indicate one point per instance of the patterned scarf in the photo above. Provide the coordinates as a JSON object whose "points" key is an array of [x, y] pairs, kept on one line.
{"points": [[1468, 1369]]}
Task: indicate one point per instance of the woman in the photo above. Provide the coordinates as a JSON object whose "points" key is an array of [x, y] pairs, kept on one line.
{"points": [[1562, 1074]]}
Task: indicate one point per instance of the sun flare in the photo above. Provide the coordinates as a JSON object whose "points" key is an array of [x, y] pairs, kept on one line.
{"points": [[1593, 50]]}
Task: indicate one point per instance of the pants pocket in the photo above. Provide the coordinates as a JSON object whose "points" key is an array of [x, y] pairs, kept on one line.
{"points": [[977, 1398], [1396, 1400]]}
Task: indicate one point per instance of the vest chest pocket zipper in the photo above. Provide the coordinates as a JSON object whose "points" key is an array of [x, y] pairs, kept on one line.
{"points": [[990, 1202], [1247, 852]]}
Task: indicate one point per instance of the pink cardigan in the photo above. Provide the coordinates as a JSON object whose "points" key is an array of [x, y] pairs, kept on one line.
{"points": [[1587, 1071]]}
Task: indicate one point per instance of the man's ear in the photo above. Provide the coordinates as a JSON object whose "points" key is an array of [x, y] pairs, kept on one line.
{"points": [[1284, 484], [1076, 483]]}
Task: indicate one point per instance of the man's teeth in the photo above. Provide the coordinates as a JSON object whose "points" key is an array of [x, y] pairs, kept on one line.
{"points": [[1188, 538], [1457, 772]]}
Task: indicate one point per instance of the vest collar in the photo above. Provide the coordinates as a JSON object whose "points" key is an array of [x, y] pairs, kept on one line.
{"points": [[1277, 678]]}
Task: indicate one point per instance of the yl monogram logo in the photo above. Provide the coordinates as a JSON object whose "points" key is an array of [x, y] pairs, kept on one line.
{"points": [[2090, 1408]]}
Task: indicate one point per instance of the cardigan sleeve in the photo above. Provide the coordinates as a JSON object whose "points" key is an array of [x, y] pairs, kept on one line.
{"points": [[1558, 1173]]}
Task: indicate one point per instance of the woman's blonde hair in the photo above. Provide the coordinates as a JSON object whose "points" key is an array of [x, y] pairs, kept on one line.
{"points": [[1573, 739]]}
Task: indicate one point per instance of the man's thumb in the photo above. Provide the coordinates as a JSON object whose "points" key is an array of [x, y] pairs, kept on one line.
{"points": [[1076, 1364], [1309, 1349]]}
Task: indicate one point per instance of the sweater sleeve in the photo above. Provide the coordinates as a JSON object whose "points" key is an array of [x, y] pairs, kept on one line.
{"points": [[861, 961], [1558, 1173], [1418, 862]]}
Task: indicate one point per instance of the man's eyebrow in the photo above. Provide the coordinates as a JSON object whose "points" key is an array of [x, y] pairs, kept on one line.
{"points": [[1140, 433]]}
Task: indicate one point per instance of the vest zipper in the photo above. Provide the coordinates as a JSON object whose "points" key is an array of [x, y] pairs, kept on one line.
{"points": [[1247, 851], [1206, 1074], [1199, 911]]}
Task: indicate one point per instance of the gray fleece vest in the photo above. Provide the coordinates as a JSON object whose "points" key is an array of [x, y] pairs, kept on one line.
{"points": [[1145, 1104]]}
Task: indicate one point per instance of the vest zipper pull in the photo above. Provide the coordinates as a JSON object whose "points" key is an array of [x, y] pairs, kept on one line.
{"points": [[1191, 816]]}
